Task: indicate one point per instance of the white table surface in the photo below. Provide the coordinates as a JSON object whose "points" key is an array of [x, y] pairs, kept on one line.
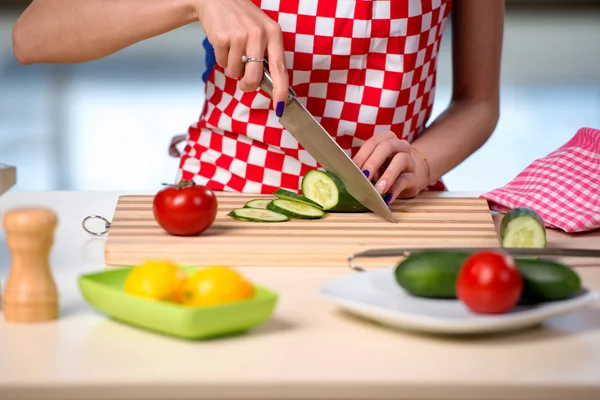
{"points": [[308, 349]]}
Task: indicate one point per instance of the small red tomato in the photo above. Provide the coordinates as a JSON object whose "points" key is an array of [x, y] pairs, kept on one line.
{"points": [[185, 209], [489, 282]]}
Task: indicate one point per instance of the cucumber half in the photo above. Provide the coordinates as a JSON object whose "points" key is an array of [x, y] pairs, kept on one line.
{"points": [[328, 190], [295, 209], [522, 227], [257, 215], [258, 203], [285, 194]]}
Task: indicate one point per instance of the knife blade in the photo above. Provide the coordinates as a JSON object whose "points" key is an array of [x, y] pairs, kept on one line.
{"points": [[405, 252], [298, 121]]}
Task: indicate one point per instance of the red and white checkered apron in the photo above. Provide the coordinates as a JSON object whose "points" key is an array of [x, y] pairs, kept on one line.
{"points": [[359, 66]]}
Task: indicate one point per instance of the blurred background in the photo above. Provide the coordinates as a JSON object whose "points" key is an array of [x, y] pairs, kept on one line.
{"points": [[107, 124]]}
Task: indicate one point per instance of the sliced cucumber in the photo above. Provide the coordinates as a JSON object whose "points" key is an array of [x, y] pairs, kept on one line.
{"points": [[294, 209], [320, 188], [257, 215], [289, 195], [258, 203], [328, 190], [522, 227]]}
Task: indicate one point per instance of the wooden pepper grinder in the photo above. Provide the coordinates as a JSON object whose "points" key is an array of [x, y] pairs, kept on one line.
{"points": [[30, 294]]}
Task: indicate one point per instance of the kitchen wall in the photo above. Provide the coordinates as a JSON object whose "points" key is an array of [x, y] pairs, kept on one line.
{"points": [[106, 125]]}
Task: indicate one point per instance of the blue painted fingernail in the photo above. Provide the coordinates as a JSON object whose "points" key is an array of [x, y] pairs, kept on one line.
{"points": [[279, 110], [388, 198], [367, 173]]}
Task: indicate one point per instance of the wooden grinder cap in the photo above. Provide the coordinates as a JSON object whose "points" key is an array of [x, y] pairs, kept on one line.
{"points": [[30, 294]]}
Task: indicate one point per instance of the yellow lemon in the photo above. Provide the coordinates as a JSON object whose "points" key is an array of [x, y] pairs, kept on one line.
{"points": [[159, 280], [214, 286]]}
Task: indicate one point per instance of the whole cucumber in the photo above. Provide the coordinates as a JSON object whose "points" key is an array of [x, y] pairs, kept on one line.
{"points": [[433, 274], [546, 280], [430, 274]]}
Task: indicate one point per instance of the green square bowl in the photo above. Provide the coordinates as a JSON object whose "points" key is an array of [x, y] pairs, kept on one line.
{"points": [[104, 291]]}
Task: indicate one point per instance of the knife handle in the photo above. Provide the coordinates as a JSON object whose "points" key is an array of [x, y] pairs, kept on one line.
{"points": [[406, 252], [267, 83]]}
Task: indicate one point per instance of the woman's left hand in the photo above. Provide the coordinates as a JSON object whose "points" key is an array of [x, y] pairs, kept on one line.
{"points": [[388, 161]]}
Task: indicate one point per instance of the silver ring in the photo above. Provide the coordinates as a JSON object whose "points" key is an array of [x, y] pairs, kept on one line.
{"points": [[246, 59], [106, 225]]}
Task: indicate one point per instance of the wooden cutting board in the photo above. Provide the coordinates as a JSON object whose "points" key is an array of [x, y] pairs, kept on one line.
{"points": [[134, 235], [8, 177]]}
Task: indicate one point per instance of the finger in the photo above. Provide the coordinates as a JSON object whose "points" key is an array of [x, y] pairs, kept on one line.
{"points": [[367, 148], [236, 51], [253, 70], [384, 135], [401, 162], [173, 150], [380, 154], [277, 67], [405, 185], [363, 155], [220, 44], [377, 175]]}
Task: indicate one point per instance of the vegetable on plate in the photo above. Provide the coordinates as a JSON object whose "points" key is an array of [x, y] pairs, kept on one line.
{"points": [[489, 282], [434, 274]]}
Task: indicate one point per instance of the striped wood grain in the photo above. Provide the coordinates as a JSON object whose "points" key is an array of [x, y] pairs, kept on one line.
{"points": [[423, 222]]}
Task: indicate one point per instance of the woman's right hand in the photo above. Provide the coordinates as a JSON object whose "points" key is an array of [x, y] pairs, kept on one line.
{"points": [[236, 28]]}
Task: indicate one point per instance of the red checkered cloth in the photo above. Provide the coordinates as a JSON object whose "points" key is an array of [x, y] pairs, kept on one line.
{"points": [[563, 187], [359, 67]]}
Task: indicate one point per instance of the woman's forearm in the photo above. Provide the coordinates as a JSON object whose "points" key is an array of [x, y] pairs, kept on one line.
{"points": [[72, 31], [456, 134], [477, 30]]}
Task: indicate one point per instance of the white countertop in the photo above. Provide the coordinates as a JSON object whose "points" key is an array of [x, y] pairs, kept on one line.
{"points": [[307, 350]]}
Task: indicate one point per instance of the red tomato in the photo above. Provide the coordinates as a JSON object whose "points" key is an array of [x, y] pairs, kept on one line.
{"points": [[489, 282], [185, 209]]}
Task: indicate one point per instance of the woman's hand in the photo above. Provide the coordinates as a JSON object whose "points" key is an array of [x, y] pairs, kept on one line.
{"points": [[389, 162], [236, 28], [67, 31]]}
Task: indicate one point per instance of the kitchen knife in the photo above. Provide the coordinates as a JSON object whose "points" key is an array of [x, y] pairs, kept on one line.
{"points": [[314, 138], [405, 252]]}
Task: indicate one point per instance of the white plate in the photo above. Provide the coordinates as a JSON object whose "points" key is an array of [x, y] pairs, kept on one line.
{"points": [[375, 295]]}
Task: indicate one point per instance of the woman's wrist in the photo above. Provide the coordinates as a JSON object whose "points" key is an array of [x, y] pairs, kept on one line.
{"points": [[191, 8], [422, 170], [195, 7]]}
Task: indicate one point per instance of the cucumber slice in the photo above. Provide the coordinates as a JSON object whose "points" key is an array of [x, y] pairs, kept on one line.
{"points": [[295, 209], [289, 195], [328, 190], [257, 215], [258, 203], [522, 227], [320, 188]]}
